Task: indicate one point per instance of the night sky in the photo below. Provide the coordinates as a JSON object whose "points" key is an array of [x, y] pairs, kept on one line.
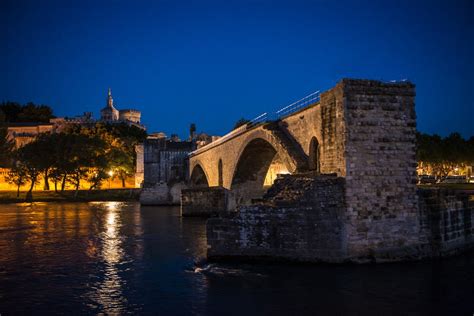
{"points": [[212, 63]]}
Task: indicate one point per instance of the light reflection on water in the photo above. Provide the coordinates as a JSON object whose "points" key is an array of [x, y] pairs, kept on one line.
{"points": [[107, 293], [90, 246], [119, 258]]}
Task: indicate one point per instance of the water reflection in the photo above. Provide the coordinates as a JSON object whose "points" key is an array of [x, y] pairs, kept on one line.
{"points": [[108, 292], [138, 233], [120, 258]]}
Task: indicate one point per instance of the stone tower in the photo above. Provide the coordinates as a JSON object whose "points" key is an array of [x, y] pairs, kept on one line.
{"points": [[109, 113]]}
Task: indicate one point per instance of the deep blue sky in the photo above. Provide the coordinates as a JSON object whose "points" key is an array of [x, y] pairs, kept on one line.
{"points": [[214, 62]]}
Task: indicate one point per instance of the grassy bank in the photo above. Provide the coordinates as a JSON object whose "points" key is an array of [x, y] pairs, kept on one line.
{"points": [[68, 196]]}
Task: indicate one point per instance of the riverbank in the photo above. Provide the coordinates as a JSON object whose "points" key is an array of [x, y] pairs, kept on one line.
{"points": [[453, 186], [68, 196]]}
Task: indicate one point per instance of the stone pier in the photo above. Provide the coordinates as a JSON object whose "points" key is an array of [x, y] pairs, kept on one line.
{"points": [[304, 218], [203, 202], [301, 218], [447, 219], [361, 131]]}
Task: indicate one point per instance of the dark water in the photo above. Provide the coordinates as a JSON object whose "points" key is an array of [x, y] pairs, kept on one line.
{"points": [[117, 258]]}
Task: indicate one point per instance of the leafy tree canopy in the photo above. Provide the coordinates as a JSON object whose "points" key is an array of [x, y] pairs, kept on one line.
{"points": [[453, 148], [30, 112], [6, 144], [444, 155]]}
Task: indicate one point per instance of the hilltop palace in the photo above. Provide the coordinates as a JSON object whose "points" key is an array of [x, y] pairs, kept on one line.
{"points": [[163, 158], [109, 114], [25, 132]]}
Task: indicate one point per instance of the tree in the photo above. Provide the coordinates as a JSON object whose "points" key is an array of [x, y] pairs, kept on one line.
{"points": [[120, 140], [17, 176], [30, 159], [98, 162], [78, 154], [122, 164], [62, 152], [470, 151], [35, 113], [86, 152], [10, 110], [126, 131], [56, 176], [30, 112], [443, 155], [6, 144], [96, 178], [45, 160]]}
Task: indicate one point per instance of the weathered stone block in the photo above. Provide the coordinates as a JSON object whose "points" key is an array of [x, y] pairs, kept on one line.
{"points": [[203, 202]]}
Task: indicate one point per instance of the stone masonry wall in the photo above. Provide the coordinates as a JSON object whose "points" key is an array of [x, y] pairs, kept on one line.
{"points": [[162, 194], [447, 219], [372, 212], [333, 130], [304, 125], [164, 164], [380, 160], [278, 228], [203, 201]]}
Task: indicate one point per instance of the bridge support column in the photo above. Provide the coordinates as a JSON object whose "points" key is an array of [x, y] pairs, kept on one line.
{"points": [[203, 202], [301, 219]]}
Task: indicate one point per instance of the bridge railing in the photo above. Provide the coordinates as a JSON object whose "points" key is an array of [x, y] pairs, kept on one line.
{"points": [[259, 119], [301, 103], [287, 110], [263, 118], [233, 133]]}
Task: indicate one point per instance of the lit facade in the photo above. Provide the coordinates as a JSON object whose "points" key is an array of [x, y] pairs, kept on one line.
{"points": [[110, 114]]}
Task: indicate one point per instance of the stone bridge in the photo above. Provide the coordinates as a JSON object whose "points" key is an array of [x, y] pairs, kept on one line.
{"points": [[248, 160], [349, 193]]}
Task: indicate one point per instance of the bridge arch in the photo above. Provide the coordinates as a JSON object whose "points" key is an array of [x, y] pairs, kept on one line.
{"points": [[270, 139], [257, 166], [231, 152], [254, 162], [198, 177]]}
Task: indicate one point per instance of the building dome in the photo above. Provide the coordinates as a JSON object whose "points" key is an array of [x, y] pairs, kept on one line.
{"points": [[109, 113]]}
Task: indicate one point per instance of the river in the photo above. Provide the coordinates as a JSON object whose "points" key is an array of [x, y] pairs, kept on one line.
{"points": [[119, 258]]}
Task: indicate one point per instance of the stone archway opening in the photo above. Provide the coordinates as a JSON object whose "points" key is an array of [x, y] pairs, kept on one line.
{"points": [[276, 169], [257, 168], [198, 178], [314, 155]]}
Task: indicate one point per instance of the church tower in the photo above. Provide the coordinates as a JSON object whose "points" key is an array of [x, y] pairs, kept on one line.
{"points": [[110, 101], [109, 113]]}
